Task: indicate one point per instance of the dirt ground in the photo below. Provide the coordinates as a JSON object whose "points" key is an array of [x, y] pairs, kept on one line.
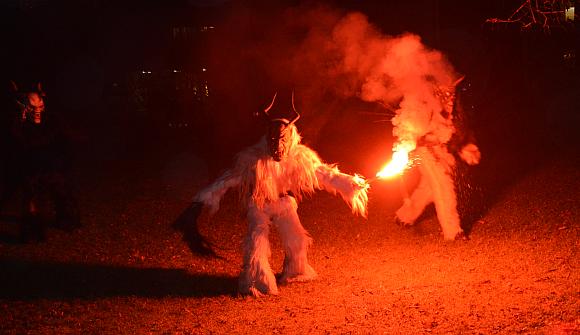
{"points": [[127, 272]]}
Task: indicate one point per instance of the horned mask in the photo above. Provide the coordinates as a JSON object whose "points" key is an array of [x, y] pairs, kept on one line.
{"points": [[31, 103], [446, 96], [278, 136]]}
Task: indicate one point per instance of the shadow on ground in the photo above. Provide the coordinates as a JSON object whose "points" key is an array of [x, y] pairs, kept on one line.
{"points": [[21, 280]]}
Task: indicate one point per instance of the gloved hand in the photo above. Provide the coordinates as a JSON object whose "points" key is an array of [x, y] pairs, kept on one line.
{"points": [[470, 154]]}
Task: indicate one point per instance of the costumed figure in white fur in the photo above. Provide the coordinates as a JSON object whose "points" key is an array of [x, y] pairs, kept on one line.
{"points": [[271, 177], [431, 140]]}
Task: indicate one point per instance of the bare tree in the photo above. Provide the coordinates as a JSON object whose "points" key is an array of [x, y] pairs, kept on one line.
{"points": [[546, 14]]}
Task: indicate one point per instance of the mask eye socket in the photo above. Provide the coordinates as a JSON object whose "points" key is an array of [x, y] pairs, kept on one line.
{"points": [[277, 131]]}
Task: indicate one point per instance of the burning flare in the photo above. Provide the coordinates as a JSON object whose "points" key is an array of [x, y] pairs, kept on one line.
{"points": [[399, 161]]}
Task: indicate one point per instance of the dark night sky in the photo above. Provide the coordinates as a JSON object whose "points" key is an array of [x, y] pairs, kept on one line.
{"points": [[48, 33], [79, 48], [104, 38]]}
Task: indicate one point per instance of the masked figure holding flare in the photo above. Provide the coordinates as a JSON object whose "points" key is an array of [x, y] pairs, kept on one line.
{"points": [[271, 176]]}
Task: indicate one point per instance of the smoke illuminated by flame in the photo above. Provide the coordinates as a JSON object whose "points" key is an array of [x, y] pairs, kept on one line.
{"points": [[328, 55]]}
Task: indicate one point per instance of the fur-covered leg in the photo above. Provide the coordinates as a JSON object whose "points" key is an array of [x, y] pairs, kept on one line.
{"points": [[416, 203], [438, 172], [257, 277], [296, 242]]}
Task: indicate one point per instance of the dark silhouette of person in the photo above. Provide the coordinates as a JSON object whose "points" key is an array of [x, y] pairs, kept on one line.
{"points": [[36, 165]]}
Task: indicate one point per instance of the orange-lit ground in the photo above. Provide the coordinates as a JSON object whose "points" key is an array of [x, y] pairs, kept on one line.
{"points": [[127, 272]]}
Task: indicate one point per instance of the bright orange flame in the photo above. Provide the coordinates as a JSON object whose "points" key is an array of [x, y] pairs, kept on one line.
{"points": [[396, 166], [398, 163]]}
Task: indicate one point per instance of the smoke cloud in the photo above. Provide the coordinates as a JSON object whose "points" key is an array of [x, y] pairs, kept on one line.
{"points": [[329, 55]]}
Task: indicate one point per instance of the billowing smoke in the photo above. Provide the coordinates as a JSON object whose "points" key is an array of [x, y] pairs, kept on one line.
{"points": [[329, 55], [397, 71]]}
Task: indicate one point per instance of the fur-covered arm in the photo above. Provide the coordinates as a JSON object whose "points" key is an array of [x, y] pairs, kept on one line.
{"points": [[352, 189], [212, 194]]}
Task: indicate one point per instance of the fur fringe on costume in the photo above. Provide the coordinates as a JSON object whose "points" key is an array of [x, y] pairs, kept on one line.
{"points": [[430, 133], [436, 186], [261, 179], [270, 189]]}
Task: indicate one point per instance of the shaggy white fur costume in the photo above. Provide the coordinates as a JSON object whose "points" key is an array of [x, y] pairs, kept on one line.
{"points": [[435, 186], [429, 133], [269, 189]]}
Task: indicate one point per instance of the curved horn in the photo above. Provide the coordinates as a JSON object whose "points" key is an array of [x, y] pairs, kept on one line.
{"points": [[294, 109], [39, 89], [458, 81], [13, 86], [271, 104]]}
